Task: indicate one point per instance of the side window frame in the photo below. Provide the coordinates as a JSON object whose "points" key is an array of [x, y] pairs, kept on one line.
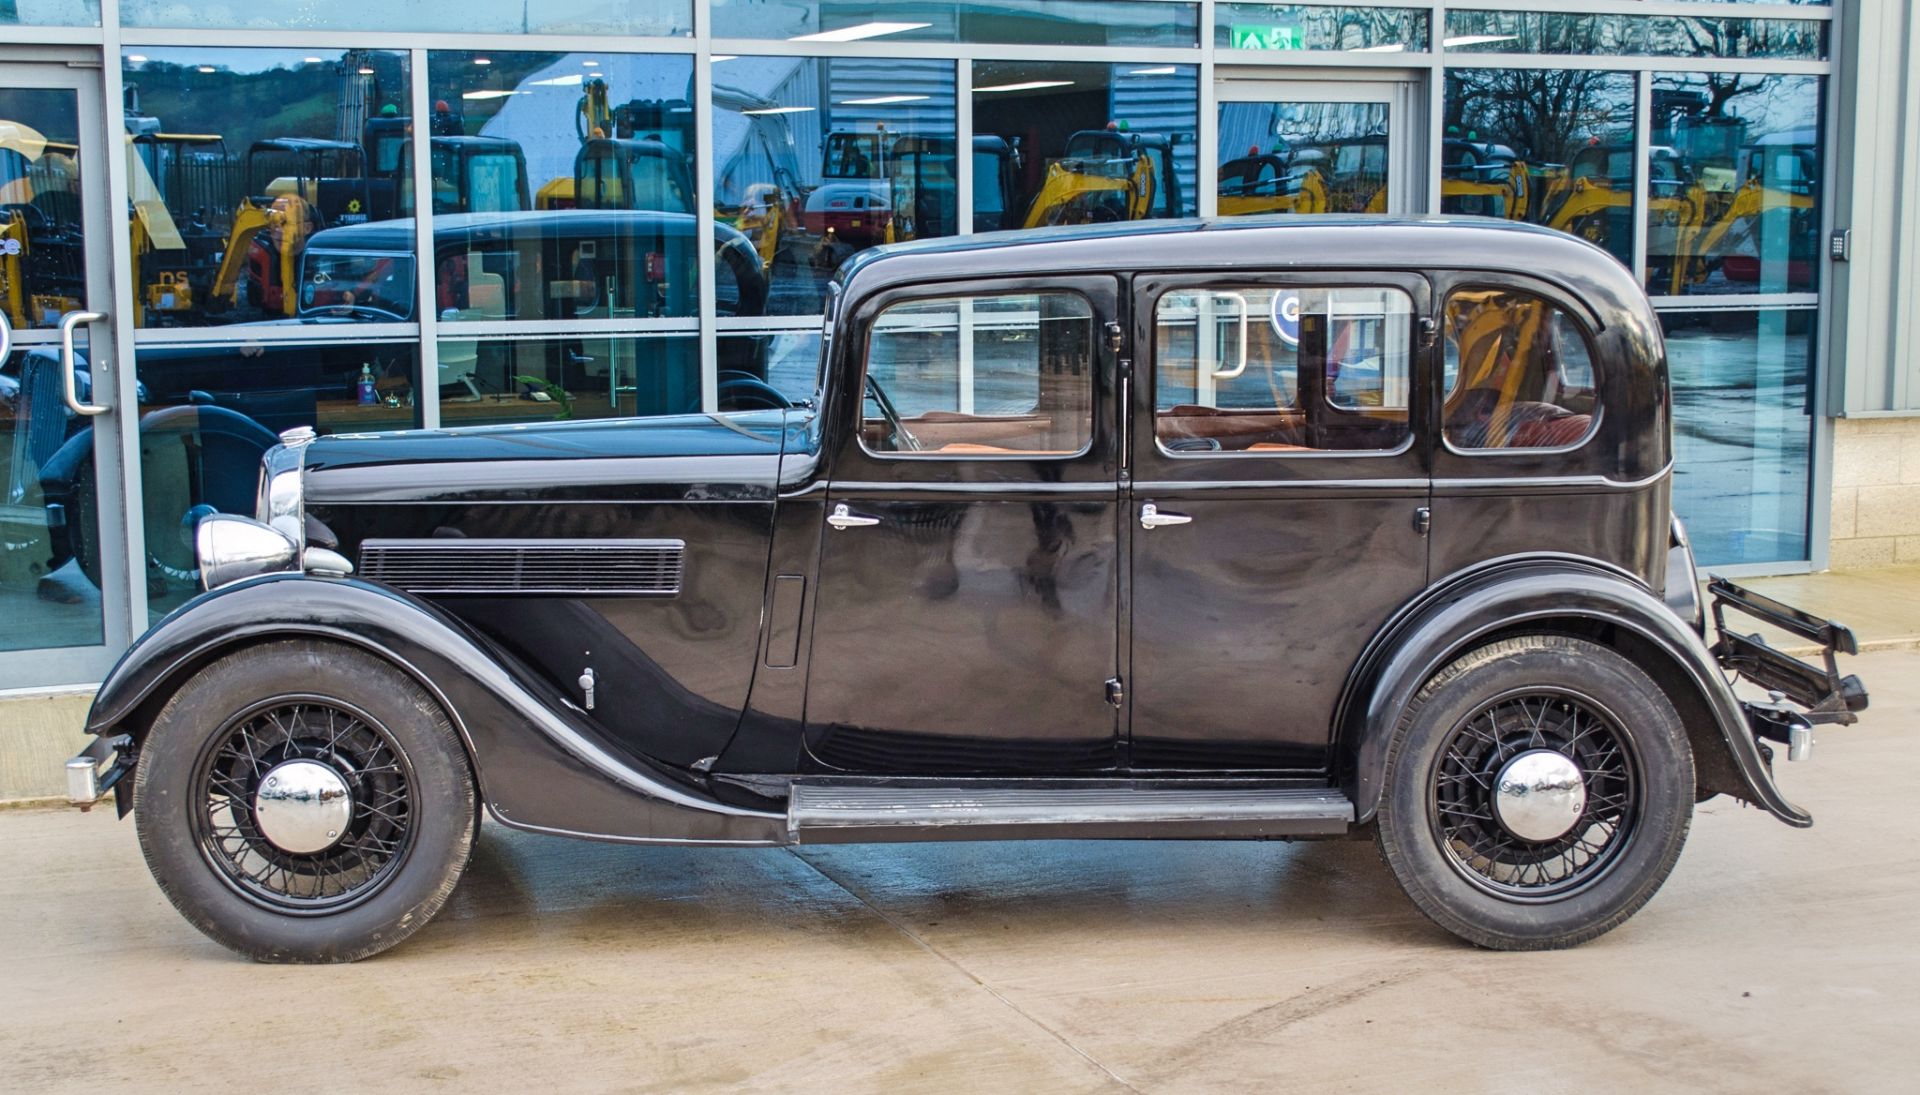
{"points": [[1421, 359], [1578, 316], [845, 363]]}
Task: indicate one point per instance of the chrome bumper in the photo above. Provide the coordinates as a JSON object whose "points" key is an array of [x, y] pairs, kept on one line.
{"points": [[99, 769]]}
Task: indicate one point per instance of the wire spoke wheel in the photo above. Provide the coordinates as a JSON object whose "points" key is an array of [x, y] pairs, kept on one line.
{"points": [[1535, 795], [304, 805]]}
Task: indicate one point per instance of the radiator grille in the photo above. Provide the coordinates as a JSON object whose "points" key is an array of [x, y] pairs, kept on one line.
{"points": [[600, 567]]}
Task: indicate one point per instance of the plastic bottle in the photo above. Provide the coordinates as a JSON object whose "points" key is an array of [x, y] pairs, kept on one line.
{"points": [[368, 396]]}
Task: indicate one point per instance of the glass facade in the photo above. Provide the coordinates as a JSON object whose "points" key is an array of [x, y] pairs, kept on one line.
{"points": [[635, 209]]}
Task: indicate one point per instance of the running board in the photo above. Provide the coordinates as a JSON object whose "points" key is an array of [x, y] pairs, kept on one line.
{"points": [[823, 813]]}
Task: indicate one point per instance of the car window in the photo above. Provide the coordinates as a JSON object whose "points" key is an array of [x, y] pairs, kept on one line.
{"points": [[1519, 373], [1250, 369], [980, 376]]}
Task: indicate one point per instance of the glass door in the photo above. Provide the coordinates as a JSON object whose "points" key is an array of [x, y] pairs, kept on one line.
{"points": [[63, 592], [1315, 146]]}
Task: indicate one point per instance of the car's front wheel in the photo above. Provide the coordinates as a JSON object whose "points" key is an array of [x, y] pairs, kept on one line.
{"points": [[1538, 791], [304, 801]]}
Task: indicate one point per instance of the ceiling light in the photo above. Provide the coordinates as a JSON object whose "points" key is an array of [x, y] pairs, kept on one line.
{"points": [[719, 57], [571, 79], [779, 110], [483, 60], [1030, 85], [883, 100], [206, 68], [1394, 48], [366, 72], [1163, 70], [313, 60], [1477, 40], [589, 64], [856, 33], [137, 58], [489, 94]]}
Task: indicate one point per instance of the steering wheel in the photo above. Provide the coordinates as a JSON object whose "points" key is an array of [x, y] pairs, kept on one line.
{"points": [[901, 435], [747, 393]]}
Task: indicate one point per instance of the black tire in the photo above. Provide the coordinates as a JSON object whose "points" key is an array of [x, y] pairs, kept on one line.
{"points": [[415, 810], [1457, 860]]}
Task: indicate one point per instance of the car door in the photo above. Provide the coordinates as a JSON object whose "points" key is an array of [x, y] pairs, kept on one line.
{"points": [[966, 619], [1277, 506]]}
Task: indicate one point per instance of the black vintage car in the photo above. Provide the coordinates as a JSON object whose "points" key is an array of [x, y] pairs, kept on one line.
{"points": [[1261, 529]]}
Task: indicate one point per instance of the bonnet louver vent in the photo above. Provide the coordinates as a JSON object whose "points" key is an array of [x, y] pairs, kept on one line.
{"points": [[599, 567]]}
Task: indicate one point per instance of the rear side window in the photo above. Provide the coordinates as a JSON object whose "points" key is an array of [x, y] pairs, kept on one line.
{"points": [[980, 376], [1277, 370], [1519, 373]]}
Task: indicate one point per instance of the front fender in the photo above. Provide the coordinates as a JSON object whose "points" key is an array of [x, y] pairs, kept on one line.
{"points": [[540, 763], [1551, 594]]}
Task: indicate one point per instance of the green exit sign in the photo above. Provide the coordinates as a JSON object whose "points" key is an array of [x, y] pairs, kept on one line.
{"points": [[1267, 38]]}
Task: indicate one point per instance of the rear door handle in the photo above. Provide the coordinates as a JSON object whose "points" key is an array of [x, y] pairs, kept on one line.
{"points": [[1152, 518], [842, 517]]}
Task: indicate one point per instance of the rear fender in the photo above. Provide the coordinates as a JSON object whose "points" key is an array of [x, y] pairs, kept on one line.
{"points": [[1548, 595], [540, 764]]}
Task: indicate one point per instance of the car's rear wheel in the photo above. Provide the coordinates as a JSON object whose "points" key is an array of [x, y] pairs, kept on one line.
{"points": [[1538, 792], [303, 801]]}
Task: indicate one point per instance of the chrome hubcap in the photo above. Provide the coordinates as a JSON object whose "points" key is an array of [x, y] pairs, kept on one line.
{"points": [[1539, 795], [303, 806]]}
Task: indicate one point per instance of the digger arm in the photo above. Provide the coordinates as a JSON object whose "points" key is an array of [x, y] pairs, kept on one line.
{"points": [[248, 221]]}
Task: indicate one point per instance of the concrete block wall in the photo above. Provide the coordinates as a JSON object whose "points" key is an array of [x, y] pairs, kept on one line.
{"points": [[1876, 493]]}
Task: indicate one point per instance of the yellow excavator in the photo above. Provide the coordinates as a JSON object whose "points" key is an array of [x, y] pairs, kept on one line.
{"points": [[1108, 174], [1267, 182], [39, 212], [1485, 179]]}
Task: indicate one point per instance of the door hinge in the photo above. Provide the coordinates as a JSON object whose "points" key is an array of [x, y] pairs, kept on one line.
{"points": [[1428, 331], [1113, 336], [1423, 520], [1116, 695]]}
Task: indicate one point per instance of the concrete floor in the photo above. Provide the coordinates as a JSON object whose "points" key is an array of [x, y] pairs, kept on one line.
{"points": [[1774, 959]]}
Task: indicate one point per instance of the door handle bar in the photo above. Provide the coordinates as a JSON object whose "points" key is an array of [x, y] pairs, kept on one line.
{"points": [[842, 518], [70, 387], [1241, 365], [1152, 518]]}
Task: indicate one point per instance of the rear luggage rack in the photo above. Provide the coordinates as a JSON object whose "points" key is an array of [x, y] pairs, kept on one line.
{"points": [[1827, 696]]}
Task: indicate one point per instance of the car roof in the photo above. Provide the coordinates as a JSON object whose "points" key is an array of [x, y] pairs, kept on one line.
{"points": [[397, 234], [1267, 242]]}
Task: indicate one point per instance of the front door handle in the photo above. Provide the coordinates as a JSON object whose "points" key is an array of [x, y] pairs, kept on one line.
{"points": [[1152, 518], [842, 517], [72, 391]]}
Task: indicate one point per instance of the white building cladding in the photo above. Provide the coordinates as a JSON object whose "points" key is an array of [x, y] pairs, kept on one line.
{"points": [[578, 152]]}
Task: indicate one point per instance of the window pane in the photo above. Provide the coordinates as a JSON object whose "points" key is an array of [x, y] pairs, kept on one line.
{"points": [[1084, 143], [246, 160], [1735, 199], [1518, 373], [1303, 157], [49, 13], [1741, 431], [1546, 146], [563, 189], [1006, 22], [208, 413], [486, 381], [1264, 370], [652, 18], [1314, 27], [50, 568], [1618, 35], [786, 361], [43, 267], [816, 159], [981, 376]]}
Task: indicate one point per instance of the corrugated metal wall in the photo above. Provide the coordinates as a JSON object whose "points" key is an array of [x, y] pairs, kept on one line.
{"points": [[1876, 295]]}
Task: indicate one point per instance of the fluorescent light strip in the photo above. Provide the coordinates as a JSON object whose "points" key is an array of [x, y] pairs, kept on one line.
{"points": [[883, 100], [489, 94], [856, 33], [1477, 40], [1163, 70], [780, 110], [1394, 48], [1030, 85]]}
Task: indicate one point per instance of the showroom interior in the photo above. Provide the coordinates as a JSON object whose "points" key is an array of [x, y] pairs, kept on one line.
{"points": [[221, 207]]}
